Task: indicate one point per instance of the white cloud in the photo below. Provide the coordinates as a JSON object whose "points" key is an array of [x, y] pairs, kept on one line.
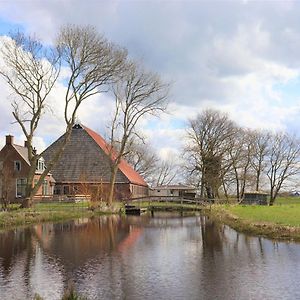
{"points": [[232, 57]]}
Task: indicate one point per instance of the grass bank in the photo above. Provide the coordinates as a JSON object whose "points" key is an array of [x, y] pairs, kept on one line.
{"points": [[281, 221], [52, 212]]}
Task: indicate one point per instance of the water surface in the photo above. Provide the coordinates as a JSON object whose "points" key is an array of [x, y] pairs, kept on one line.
{"points": [[165, 257]]}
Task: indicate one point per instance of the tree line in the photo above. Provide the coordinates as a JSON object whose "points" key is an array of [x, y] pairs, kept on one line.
{"points": [[223, 159]]}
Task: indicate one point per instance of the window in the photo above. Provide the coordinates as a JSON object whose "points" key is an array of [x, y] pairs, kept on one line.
{"points": [[66, 190], [40, 165], [45, 188], [21, 187], [17, 165], [57, 190]]}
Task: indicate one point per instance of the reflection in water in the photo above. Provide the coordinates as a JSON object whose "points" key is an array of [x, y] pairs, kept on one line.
{"points": [[165, 257]]}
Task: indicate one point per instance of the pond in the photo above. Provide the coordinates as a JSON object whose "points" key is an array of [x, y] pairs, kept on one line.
{"points": [[167, 256]]}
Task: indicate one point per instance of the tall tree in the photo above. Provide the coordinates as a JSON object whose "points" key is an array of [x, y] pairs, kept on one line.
{"points": [[31, 71], [137, 94], [240, 156], [209, 137], [261, 142], [283, 162]]}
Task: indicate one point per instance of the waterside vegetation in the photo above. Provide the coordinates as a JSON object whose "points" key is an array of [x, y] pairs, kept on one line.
{"points": [[280, 221], [53, 212]]}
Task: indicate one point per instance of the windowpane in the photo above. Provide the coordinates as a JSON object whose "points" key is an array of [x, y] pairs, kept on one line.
{"points": [[21, 187], [45, 187], [17, 165]]}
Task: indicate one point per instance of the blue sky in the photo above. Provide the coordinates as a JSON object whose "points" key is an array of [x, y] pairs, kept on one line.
{"points": [[241, 57]]}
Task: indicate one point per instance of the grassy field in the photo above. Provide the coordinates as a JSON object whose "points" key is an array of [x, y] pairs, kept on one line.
{"points": [[286, 211], [279, 221]]}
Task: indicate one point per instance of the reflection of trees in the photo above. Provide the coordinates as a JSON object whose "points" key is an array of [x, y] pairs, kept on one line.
{"points": [[12, 244], [213, 236]]}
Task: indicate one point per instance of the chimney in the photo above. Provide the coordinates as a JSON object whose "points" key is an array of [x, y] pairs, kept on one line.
{"points": [[9, 139], [26, 144]]}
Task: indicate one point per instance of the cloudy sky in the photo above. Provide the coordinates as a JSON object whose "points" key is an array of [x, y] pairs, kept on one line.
{"points": [[242, 57]]}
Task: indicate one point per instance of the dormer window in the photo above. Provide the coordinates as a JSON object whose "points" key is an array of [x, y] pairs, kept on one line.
{"points": [[17, 165], [40, 165]]}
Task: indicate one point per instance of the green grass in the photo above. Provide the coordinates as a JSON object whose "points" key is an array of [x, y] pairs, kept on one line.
{"points": [[281, 221], [288, 215], [287, 200], [285, 211]]}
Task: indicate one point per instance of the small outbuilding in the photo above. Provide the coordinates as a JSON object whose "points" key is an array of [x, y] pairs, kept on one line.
{"points": [[255, 198], [179, 190]]}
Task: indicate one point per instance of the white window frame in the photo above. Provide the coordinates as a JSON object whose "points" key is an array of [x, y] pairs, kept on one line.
{"points": [[19, 196]]}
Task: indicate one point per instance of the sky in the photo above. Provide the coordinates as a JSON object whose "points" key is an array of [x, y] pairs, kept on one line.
{"points": [[241, 57]]}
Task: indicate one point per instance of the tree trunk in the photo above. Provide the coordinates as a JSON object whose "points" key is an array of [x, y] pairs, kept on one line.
{"points": [[272, 197], [257, 180], [112, 185]]}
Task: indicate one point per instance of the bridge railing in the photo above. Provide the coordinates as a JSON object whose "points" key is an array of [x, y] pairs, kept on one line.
{"points": [[177, 199], [174, 199]]}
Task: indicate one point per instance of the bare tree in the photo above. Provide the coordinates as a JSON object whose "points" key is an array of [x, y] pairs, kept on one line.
{"points": [[142, 158], [261, 142], [137, 94], [92, 62], [166, 172], [283, 162], [31, 71], [208, 139], [240, 155]]}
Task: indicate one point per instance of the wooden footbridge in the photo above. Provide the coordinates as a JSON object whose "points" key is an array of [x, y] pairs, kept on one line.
{"points": [[163, 203]]}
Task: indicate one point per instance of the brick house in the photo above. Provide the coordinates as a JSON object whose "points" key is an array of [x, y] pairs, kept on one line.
{"points": [[84, 168], [14, 167]]}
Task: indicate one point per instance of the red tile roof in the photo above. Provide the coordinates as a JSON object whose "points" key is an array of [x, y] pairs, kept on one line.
{"points": [[124, 167]]}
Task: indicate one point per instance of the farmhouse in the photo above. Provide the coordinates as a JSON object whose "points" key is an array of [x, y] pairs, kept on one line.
{"points": [[14, 168], [84, 168]]}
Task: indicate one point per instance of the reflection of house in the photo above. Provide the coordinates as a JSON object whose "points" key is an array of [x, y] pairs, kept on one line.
{"points": [[174, 190], [84, 168], [14, 168]]}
